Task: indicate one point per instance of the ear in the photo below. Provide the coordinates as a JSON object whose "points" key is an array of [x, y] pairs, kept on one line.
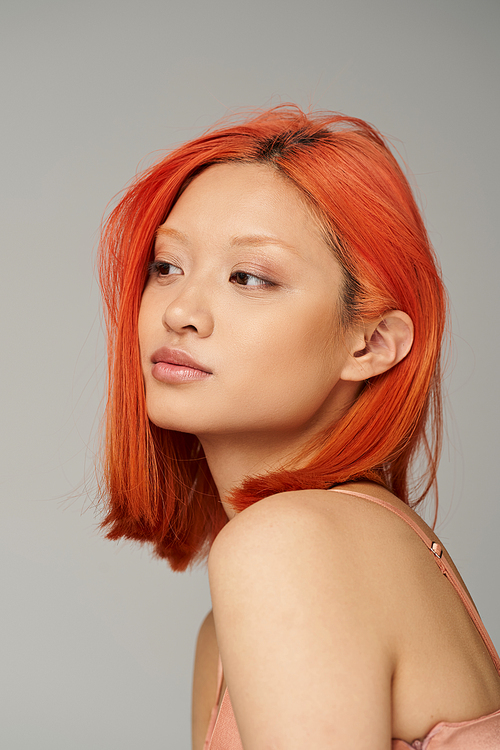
{"points": [[378, 346]]}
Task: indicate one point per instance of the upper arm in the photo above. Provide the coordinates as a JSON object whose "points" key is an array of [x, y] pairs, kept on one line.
{"points": [[304, 657], [204, 681]]}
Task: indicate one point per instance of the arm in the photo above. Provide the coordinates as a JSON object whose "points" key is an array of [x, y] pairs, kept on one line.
{"points": [[305, 654], [204, 681]]}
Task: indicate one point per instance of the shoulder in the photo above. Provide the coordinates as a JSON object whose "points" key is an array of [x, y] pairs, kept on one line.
{"points": [[359, 559], [320, 550], [290, 516], [329, 524], [283, 535], [298, 619], [283, 517]]}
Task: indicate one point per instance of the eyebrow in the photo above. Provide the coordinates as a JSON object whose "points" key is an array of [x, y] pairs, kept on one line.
{"points": [[169, 232], [262, 239], [254, 240]]}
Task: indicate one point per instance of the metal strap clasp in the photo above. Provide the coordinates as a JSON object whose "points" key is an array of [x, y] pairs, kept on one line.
{"points": [[436, 549]]}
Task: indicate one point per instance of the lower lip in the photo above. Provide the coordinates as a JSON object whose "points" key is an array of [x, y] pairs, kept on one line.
{"points": [[166, 372]]}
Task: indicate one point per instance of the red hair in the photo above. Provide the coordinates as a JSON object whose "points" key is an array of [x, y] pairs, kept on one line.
{"points": [[157, 484]]}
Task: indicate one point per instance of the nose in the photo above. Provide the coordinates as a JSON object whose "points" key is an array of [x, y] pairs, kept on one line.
{"points": [[189, 311]]}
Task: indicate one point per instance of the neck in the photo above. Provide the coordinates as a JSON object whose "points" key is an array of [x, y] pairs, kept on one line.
{"points": [[233, 458]]}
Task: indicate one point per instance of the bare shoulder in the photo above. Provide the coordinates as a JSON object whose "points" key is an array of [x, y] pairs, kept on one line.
{"points": [[321, 604], [296, 536], [279, 517], [204, 680], [298, 623], [317, 525], [288, 516], [356, 553]]}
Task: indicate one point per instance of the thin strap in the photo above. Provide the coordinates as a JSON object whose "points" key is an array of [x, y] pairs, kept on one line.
{"points": [[215, 709], [220, 677], [437, 552]]}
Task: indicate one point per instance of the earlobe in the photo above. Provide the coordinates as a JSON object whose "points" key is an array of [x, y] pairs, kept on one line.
{"points": [[379, 346]]}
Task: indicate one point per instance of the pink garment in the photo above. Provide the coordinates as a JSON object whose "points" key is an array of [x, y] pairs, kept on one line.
{"points": [[477, 734]]}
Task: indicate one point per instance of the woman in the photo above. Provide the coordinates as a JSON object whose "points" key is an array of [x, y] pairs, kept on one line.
{"points": [[276, 319]]}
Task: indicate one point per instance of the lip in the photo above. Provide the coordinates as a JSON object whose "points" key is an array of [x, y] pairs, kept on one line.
{"points": [[176, 366]]}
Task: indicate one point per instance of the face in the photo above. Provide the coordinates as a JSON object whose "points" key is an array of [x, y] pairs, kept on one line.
{"points": [[239, 325]]}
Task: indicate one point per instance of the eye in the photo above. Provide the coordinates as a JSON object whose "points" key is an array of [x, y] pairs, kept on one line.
{"points": [[161, 269], [241, 278]]}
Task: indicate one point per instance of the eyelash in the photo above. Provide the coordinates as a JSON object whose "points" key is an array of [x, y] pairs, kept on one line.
{"points": [[158, 266], [262, 282]]}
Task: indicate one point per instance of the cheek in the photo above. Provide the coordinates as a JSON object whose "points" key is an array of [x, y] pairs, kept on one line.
{"points": [[145, 324], [293, 352]]}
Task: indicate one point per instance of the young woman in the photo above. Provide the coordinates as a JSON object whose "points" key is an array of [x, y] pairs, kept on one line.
{"points": [[276, 318]]}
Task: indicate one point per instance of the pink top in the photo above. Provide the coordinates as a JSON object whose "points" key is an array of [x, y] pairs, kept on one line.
{"points": [[476, 734]]}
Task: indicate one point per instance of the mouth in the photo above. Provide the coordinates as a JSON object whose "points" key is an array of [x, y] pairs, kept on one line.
{"points": [[175, 366]]}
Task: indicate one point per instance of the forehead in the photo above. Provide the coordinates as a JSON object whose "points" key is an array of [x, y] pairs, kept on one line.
{"points": [[246, 202]]}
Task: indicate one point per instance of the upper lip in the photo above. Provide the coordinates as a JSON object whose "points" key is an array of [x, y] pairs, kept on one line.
{"points": [[177, 357]]}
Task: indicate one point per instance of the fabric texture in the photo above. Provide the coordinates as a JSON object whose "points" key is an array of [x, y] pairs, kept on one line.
{"points": [[477, 734]]}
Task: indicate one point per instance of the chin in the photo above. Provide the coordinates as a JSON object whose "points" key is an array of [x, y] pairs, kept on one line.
{"points": [[177, 423]]}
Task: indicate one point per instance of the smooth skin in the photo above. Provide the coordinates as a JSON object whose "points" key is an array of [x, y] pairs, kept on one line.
{"points": [[335, 627], [244, 283]]}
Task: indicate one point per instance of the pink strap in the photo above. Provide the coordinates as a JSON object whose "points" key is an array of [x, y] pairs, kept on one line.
{"points": [[215, 709], [220, 677], [437, 552]]}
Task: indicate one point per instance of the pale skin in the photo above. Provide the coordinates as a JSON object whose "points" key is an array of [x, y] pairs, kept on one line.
{"points": [[335, 627]]}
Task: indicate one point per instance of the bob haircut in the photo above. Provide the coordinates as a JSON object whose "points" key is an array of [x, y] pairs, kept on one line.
{"points": [[156, 483]]}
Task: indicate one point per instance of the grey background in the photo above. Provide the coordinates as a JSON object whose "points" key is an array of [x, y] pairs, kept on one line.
{"points": [[97, 638]]}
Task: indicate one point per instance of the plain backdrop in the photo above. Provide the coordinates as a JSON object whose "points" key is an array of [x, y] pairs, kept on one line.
{"points": [[97, 638]]}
